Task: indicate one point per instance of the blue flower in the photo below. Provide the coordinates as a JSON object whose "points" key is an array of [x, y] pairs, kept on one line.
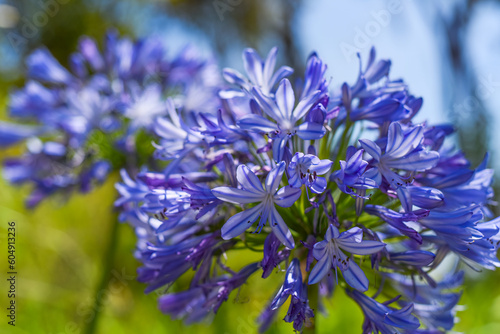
{"points": [[461, 232], [196, 303], [398, 220], [177, 139], [171, 205], [272, 256], [314, 77], [299, 310], [403, 152], [187, 305], [222, 133], [383, 319], [11, 134], [354, 174], [261, 73], [200, 198], [33, 101], [460, 187], [163, 264], [376, 98], [435, 306], [330, 256], [44, 67], [305, 168], [283, 111], [130, 190], [267, 196], [413, 258], [145, 105], [104, 100]]}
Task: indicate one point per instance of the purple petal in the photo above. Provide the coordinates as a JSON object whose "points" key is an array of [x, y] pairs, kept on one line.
{"points": [[355, 277], [294, 177], [365, 247], [319, 185], [285, 98], [304, 105], [273, 179], [426, 198], [43, 66], [322, 167], [234, 77], [310, 131], [287, 196], [240, 222], [320, 270], [248, 179], [253, 65], [256, 123], [281, 73], [237, 196], [398, 145], [354, 235], [320, 249], [269, 65], [405, 198], [89, 50], [371, 148], [279, 144], [332, 233], [402, 318], [267, 104], [413, 257], [421, 160], [281, 230]]}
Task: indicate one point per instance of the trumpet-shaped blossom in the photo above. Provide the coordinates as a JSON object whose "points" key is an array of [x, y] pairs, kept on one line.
{"points": [[403, 151], [382, 318], [272, 256], [354, 174], [260, 72], [436, 306], [267, 197], [305, 168], [286, 114], [330, 256], [299, 310]]}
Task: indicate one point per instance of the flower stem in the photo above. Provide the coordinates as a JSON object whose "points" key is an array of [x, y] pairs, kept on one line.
{"points": [[310, 326], [107, 265]]}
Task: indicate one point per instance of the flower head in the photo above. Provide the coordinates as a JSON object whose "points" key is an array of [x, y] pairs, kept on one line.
{"points": [[268, 196], [330, 256], [305, 168]]}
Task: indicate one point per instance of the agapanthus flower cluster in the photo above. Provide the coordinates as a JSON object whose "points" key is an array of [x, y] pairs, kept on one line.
{"points": [[341, 191], [337, 189], [80, 123]]}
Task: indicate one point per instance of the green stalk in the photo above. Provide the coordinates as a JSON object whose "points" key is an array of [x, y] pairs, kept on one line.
{"points": [[310, 327], [107, 265]]}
